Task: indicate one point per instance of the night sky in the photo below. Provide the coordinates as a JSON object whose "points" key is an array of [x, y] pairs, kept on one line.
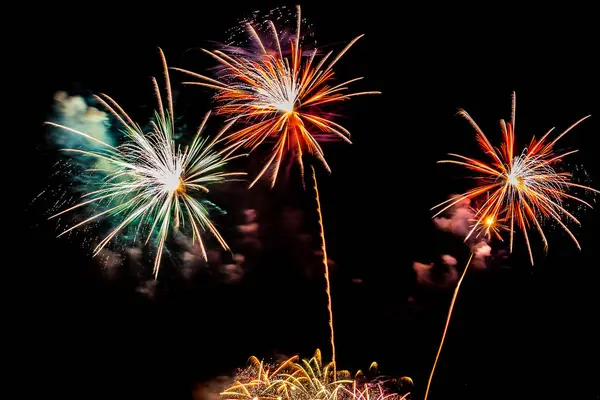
{"points": [[518, 331]]}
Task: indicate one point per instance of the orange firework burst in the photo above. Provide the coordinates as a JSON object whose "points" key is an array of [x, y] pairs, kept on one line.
{"points": [[280, 96], [522, 188]]}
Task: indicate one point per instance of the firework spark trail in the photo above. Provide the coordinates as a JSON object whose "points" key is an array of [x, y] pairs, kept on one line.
{"points": [[326, 265], [522, 189], [437, 356], [150, 180]]}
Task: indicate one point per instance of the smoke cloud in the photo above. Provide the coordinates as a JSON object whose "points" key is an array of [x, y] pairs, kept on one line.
{"points": [[449, 260], [459, 223], [458, 220], [481, 251], [230, 268], [443, 275], [210, 390], [148, 288], [249, 229], [75, 113], [435, 276]]}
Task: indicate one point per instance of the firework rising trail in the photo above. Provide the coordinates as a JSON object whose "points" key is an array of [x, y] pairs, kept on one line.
{"points": [[149, 182], [437, 356], [326, 265], [295, 379], [280, 96], [522, 189], [525, 187]]}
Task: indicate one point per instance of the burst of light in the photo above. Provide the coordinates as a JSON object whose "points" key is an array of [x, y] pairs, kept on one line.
{"points": [[489, 226], [295, 379], [173, 182], [150, 182], [280, 96], [522, 189], [514, 179]]}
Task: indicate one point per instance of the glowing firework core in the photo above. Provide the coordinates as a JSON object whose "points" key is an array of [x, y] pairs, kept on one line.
{"points": [[281, 98], [172, 182], [489, 220], [524, 171], [287, 108], [513, 179]]}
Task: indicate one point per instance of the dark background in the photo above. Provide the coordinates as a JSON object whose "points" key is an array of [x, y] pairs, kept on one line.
{"points": [[518, 332]]}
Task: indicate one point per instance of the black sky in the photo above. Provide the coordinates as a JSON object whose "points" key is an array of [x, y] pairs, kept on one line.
{"points": [[521, 331]]}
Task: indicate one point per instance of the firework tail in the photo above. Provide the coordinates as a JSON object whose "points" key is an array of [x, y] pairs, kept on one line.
{"points": [[326, 265], [437, 356]]}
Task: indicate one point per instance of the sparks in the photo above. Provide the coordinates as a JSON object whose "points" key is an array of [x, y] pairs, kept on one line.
{"points": [[295, 379], [150, 181], [279, 96], [489, 226], [522, 189]]}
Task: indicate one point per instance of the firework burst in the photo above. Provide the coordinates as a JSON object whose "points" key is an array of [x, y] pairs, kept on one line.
{"points": [[522, 189], [149, 182], [295, 379], [279, 95]]}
